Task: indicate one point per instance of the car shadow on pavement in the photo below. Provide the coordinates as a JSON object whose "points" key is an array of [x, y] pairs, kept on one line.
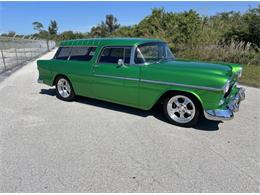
{"points": [[156, 111], [50, 92]]}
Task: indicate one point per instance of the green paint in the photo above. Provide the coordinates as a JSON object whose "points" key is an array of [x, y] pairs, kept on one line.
{"points": [[128, 87]]}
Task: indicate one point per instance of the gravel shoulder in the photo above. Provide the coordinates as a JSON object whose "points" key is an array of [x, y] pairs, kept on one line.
{"points": [[47, 145]]}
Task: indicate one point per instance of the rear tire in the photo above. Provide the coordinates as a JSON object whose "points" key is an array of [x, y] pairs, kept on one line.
{"points": [[64, 89], [181, 110]]}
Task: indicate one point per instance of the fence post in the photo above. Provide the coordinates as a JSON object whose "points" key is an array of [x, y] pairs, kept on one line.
{"points": [[24, 52], [3, 57], [17, 60], [31, 53], [48, 48]]}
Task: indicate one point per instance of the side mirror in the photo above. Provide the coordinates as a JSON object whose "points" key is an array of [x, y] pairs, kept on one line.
{"points": [[120, 63]]}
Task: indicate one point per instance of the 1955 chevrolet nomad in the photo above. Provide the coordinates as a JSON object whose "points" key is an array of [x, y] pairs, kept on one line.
{"points": [[141, 73]]}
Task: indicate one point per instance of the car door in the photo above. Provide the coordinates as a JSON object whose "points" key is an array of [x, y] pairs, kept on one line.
{"points": [[115, 81]]}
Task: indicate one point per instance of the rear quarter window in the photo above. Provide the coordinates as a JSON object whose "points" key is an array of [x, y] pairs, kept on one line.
{"points": [[75, 53], [63, 53]]}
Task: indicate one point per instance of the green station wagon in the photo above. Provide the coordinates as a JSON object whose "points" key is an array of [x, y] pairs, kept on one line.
{"points": [[141, 73]]}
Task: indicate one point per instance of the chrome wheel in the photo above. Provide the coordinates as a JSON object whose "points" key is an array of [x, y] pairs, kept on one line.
{"points": [[64, 88], [181, 109]]}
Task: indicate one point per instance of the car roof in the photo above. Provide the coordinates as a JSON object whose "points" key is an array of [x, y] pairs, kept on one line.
{"points": [[108, 41]]}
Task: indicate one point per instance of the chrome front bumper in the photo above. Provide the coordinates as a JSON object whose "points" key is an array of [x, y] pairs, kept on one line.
{"points": [[226, 114]]}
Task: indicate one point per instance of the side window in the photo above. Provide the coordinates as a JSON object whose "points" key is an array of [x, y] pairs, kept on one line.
{"points": [[82, 53], [112, 55], [117, 53], [63, 53]]}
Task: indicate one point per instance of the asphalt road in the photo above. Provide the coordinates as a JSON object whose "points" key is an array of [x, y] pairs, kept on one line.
{"points": [[47, 145]]}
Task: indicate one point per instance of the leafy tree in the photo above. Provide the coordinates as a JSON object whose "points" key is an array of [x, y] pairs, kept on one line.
{"points": [[175, 28], [105, 28], [99, 31], [38, 26], [246, 27], [53, 28], [111, 23], [11, 33], [66, 35], [124, 31]]}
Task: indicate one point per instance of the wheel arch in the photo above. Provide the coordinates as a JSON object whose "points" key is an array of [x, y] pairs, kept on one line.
{"points": [[59, 75], [175, 92]]}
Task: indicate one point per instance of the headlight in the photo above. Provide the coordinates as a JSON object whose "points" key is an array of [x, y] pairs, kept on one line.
{"points": [[226, 87]]}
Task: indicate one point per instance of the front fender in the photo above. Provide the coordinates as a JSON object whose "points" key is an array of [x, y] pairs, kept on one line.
{"points": [[150, 94]]}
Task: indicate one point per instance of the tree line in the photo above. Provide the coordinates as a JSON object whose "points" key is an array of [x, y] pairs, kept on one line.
{"points": [[227, 36], [183, 28]]}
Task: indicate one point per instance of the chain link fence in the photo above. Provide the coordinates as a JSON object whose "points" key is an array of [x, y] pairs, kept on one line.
{"points": [[16, 52]]}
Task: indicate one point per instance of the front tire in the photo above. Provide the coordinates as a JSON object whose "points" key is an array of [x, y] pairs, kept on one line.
{"points": [[182, 110], [64, 89]]}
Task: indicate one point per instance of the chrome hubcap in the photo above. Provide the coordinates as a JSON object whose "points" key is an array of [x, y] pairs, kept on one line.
{"points": [[181, 109], [64, 88]]}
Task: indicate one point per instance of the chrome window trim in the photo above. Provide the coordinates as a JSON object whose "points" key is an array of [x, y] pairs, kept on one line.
{"points": [[133, 58], [79, 46], [113, 46], [161, 82], [132, 55]]}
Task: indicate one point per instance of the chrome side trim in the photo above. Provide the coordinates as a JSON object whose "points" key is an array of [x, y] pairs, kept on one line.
{"points": [[181, 85], [161, 82], [116, 77]]}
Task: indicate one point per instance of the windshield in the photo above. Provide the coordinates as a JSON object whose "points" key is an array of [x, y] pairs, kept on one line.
{"points": [[153, 52]]}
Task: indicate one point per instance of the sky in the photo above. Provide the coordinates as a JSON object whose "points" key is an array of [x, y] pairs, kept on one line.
{"points": [[81, 16]]}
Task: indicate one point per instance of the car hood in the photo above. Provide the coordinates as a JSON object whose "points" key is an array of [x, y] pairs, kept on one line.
{"points": [[199, 67], [189, 72]]}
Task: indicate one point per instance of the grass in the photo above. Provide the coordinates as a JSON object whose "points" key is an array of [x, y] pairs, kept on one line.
{"points": [[251, 75], [235, 52]]}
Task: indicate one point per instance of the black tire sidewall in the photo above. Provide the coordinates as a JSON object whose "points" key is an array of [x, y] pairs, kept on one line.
{"points": [[191, 123], [72, 94]]}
